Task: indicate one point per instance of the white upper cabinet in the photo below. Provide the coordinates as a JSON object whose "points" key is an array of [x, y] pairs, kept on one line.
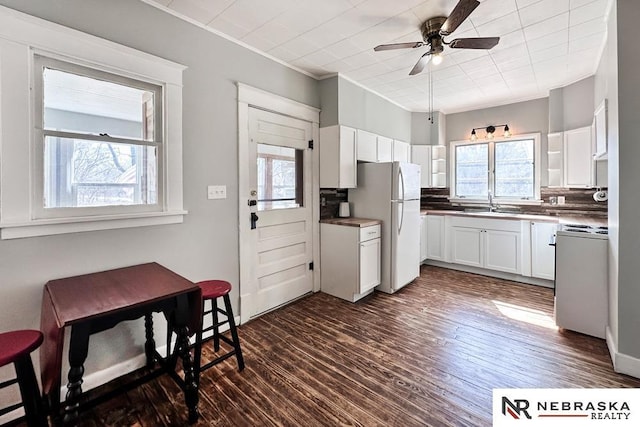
{"points": [[367, 146], [421, 155], [385, 149], [401, 151], [578, 158], [338, 165]]}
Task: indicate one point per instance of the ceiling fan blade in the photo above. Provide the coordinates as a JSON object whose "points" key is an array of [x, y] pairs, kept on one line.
{"points": [[392, 46], [474, 43], [459, 13], [422, 62]]}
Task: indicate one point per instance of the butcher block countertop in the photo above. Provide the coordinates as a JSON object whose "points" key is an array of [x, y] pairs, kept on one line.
{"points": [[352, 222], [569, 219]]}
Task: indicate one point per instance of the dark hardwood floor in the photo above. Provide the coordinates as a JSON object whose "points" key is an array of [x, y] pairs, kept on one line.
{"points": [[428, 355]]}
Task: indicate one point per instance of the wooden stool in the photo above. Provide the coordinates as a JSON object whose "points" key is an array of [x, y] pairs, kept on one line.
{"points": [[212, 290], [16, 348]]}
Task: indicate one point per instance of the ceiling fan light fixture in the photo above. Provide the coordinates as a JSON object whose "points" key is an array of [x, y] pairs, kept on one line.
{"points": [[436, 59]]}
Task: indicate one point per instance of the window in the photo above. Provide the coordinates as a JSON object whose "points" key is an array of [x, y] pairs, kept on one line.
{"points": [[504, 168], [90, 132], [100, 136], [279, 177]]}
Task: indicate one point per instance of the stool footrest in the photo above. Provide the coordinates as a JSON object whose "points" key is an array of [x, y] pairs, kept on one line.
{"points": [[217, 360], [8, 383], [11, 408]]}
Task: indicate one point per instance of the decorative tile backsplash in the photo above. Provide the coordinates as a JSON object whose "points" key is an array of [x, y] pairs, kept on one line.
{"points": [[577, 202]]}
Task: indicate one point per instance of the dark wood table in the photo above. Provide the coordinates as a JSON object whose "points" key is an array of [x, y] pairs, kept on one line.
{"points": [[96, 302]]}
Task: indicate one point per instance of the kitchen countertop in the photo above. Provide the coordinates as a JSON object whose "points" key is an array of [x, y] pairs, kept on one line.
{"points": [[351, 222], [572, 219]]}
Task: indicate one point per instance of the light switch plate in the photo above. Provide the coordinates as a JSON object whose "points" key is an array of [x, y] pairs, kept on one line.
{"points": [[561, 200], [217, 191]]}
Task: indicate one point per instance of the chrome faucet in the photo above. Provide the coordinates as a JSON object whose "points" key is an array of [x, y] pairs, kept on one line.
{"points": [[492, 207]]}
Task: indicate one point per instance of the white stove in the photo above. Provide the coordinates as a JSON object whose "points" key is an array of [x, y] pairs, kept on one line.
{"points": [[583, 230], [581, 278]]}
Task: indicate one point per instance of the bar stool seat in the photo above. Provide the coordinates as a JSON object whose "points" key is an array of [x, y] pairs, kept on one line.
{"points": [[211, 291], [16, 348]]}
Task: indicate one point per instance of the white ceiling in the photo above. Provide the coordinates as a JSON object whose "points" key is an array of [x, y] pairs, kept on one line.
{"points": [[544, 44]]}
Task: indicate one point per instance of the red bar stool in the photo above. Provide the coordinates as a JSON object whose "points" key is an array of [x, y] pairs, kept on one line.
{"points": [[16, 348], [212, 290]]}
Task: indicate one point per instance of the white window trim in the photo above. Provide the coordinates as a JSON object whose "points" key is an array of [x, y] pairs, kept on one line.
{"points": [[503, 201], [22, 36]]}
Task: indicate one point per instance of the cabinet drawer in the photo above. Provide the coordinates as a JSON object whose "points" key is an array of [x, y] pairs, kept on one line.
{"points": [[368, 233]]}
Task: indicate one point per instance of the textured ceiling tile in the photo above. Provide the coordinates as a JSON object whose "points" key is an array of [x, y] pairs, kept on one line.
{"points": [[500, 27], [548, 41], [492, 9], [229, 28], [547, 27], [588, 28], [542, 11], [593, 10], [201, 10]]}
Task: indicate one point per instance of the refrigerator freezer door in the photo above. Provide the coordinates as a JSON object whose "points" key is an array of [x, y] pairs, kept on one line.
{"points": [[405, 246], [406, 181]]}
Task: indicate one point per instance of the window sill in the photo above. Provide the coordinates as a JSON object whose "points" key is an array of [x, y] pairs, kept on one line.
{"points": [[48, 227], [484, 202]]}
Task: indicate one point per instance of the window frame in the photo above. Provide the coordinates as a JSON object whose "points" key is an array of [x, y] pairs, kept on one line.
{"points": [[21, 38], [39, 135], [453, 197]]}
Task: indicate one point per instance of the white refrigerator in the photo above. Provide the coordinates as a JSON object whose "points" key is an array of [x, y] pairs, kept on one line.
{"points": [[391, 192]]}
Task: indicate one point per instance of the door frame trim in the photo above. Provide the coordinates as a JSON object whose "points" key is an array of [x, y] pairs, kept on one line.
{"points": [[249, 96]]}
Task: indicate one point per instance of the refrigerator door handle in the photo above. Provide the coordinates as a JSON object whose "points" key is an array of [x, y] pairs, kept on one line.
{"points": [[401, 217], [401, 175]]}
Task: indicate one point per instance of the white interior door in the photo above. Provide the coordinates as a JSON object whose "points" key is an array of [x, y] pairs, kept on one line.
{"points": [[280, 181]]}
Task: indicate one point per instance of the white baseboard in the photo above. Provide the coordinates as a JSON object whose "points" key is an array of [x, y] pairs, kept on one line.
{"points": [[492, 273], [622, 363]]}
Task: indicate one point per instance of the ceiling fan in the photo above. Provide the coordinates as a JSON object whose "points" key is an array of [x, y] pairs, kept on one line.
{"points": [[433, 31]]}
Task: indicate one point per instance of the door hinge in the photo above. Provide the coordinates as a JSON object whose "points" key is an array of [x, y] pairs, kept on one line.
{"points": [[311, 144], [311, 265]]}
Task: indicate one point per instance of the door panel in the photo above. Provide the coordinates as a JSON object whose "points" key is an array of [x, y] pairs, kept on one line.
{"points": [[280, 176], [502, 251], [467, 246], [405, 251]]}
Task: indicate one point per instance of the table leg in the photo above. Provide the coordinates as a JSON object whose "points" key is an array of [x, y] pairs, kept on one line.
{"points": [[190, 375], [150, 344], [78, 349]]}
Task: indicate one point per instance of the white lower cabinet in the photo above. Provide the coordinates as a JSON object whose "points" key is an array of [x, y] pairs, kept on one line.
{"points": [[542, 254], [350, 260], [502, 251], [487, 243], [435, 245], [466, 246]]}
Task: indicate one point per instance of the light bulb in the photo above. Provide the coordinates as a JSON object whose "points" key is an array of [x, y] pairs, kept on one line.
{"points": [[507, 132], [473, 135], [436, 59], [489, 135]]}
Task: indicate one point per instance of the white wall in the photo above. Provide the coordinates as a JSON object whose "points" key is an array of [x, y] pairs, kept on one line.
{"points": [[206, 244], [362, 109], [627, 231]]}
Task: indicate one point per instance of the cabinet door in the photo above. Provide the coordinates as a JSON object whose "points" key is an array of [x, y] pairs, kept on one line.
{"points": [[542, 255], [369, 264], [578, 159], [421, 155], [502, 251], [423, 238], [435, 241], [401, 151], [385, 149], [348, 163], [367, 146], [466, 246]]}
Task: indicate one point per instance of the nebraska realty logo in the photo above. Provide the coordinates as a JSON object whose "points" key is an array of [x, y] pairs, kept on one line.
{"points": [[566, 407]]}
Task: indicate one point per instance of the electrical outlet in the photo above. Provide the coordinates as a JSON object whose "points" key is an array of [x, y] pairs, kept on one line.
{"points": [[217, 191], [561, 200]]}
